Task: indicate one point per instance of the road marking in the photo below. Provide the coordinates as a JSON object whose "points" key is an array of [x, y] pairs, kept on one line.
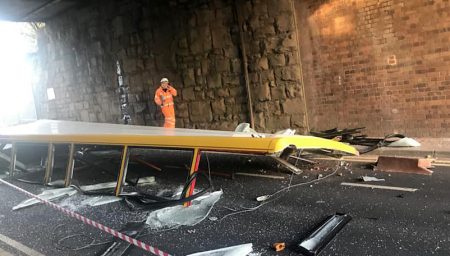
{"points": [[378, 186], [18, 246]]}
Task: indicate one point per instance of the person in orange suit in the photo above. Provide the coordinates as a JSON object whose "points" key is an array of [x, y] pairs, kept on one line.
{"points": [[164, 98]]}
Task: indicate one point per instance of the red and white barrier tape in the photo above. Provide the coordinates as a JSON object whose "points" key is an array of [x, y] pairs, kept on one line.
{"points": [[95, 224]]}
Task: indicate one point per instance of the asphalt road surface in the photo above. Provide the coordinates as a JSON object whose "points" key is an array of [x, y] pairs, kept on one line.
{"points": [[385, 222]]}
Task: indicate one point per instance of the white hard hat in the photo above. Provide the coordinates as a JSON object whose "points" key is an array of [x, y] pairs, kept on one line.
{"points": [[164, 80]]}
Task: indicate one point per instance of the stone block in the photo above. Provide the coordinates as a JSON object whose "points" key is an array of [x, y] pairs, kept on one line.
{"points": [[223, 126], [200, 39], [254, 23], [267, 75], [231, 52], [231, 80], [263, 63], [236, 66], [293, 90], [275, 7], [210, 94], [262, 92], [230, 101], [224, 15], [278, 93], [221, 37], [136, 82], [260, 123], [261, 107], [284, 23], [200, 111], [277, 60], [218, 107], [289, 41], [84, 115], [298, 121], [192, 21], [264, 32], [182, 110], [202, 95], [205, 17], [289, 73], [237, 91], [129, 66], [139, 107], [189, 77], [222, 93], [274, 108], [276, 123], [117, 26], [292, 58], [254, 77], [222, 65], [183, 44], [79, 106], [205, 66], [293, 106], [188, 94], [214, 80]]}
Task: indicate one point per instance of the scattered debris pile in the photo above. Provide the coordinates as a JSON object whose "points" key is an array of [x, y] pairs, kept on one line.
{"points": [[355, 136]]}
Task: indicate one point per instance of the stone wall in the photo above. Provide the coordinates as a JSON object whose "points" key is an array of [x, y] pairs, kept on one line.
{"points": [[274, 64], [196, 44], [383, 64]]}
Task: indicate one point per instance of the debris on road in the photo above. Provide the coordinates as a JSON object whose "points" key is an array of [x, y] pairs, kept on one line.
{"points": [[259, 175], [378, 187], [405, 142], [100, 200], [354, 136], [319, 238], [238, 250], [262, 198], [119, 247], [278, 247], [179, 215], [369, 178], [404, 165], [48, 195], [53, 194]]}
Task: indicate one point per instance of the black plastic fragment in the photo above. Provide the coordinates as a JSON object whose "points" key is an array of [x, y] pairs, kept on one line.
{"points": [[119, 247], [315, 242]]}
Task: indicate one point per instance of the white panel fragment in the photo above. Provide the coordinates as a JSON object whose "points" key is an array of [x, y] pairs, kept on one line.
{"points": [[179, 215], [405, 142], [48, 195], [100, 200], [238, 250]]}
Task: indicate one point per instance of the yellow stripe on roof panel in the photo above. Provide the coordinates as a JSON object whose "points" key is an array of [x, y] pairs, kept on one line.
{"points": [[133, 135]]}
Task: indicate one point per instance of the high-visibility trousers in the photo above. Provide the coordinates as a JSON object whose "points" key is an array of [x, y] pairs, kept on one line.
{"points": [[169, 116]]}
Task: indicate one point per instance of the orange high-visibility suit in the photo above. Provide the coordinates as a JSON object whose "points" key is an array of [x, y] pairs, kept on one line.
{"points": [[164, 99]]}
